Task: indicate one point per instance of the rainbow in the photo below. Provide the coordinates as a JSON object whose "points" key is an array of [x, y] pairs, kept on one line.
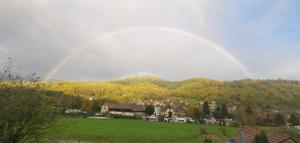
{"points": [[53, 70]]}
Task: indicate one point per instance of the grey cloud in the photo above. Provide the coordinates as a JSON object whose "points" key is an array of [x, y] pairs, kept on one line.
{"points": [[39, 33]]}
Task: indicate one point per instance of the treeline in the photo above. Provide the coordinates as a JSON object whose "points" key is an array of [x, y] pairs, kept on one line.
{"points": [[281, 95]]}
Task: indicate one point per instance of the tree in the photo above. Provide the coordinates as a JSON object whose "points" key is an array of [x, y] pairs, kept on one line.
{"points": [[206, 110], [76, 102], [248, 110], [207, 140], [261, 138], [217, 113], [149, 110], [198, 114], [243, 116], [279, 120], [7, 74], [224, 111], [190, 111], [170, 114], [24, 112], [23, 117], [87, 106], [293, 120], [96, 105]]}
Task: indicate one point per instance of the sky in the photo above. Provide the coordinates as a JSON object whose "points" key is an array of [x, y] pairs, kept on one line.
{"points": [[73, 40]]}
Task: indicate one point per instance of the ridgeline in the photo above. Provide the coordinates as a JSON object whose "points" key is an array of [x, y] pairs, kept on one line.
{"points": [[282, 95]]}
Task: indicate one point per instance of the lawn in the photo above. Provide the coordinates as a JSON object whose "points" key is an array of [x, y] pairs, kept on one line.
{"points": [[133, 131]]}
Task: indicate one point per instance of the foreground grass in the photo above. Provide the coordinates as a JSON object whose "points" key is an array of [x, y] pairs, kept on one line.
{"points": [[134, 131]]}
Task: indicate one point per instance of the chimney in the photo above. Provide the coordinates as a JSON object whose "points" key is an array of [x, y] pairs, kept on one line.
{"points": [[242, 135]]}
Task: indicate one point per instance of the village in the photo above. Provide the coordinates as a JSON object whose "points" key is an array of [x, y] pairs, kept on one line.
{"points": [[156, 111], [183, 113], [210, 113]]}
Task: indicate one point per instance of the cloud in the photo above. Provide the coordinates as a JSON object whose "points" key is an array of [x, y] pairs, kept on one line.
{"points": [[39, 33]]}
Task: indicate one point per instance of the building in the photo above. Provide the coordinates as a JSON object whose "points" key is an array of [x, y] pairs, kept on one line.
{"points": [[169, 112], [212, 106], [113, 109], [248, 133], [157, 110], [232, 109]]}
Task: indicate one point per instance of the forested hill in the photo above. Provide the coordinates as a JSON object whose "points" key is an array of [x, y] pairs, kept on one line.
{"points": [[282, 95]]}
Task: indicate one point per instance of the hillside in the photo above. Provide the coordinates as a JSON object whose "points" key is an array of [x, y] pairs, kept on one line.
{"points": [[282, 95]]}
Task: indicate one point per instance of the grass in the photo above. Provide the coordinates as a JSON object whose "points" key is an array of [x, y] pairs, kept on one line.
{"points": [[133, 131]]}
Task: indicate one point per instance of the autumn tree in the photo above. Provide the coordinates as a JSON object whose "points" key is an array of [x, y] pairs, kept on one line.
{"points": [[87, 106], [190, 111], [97, 105], [195, 113], [248, 115], [24, 111]]}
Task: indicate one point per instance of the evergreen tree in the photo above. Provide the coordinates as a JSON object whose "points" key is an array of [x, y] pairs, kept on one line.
{"points": [[248, 110], [261, 138], [207, 140], [217, 112], [149, 110], [206, 110], [293, 120], [224, 111], [279, 120], [198, 114]]}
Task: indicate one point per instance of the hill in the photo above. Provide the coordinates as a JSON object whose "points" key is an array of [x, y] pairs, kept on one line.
{"points": [[282, 95]]}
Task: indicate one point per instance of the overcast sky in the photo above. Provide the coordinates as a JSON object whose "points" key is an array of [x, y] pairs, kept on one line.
{"points": [[264, 35]]}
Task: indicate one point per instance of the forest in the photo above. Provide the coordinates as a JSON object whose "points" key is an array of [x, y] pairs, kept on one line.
{"points": [[282, 95]]}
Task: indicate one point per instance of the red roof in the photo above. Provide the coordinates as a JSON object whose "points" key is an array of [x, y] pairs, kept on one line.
{"points": [[250, 132], [276, 138]]}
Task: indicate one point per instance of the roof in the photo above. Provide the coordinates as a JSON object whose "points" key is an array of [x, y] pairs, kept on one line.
{"points": [[132, 107], [277, 138], [250, 132]]}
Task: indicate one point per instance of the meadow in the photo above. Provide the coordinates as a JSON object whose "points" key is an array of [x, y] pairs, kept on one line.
{"points": [[134, 131]]}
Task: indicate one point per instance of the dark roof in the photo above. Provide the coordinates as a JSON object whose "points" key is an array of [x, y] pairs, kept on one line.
{"points": [[250, 132], [132, 107]]}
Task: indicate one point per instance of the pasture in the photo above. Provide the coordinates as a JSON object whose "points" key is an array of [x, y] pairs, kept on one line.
{"points": [[134, 131]]}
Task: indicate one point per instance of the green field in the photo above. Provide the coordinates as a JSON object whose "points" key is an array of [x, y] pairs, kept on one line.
{"points": [[133, 131]]}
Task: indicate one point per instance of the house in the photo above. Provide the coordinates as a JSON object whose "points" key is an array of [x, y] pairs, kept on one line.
{"points": [[211, 121], [248, 133], [157, 110], [232, 109], [113, 109], [212, 106], [169, 112]]}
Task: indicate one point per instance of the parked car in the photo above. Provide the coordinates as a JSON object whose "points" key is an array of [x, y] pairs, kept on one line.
{"points": [[152, 118]]}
